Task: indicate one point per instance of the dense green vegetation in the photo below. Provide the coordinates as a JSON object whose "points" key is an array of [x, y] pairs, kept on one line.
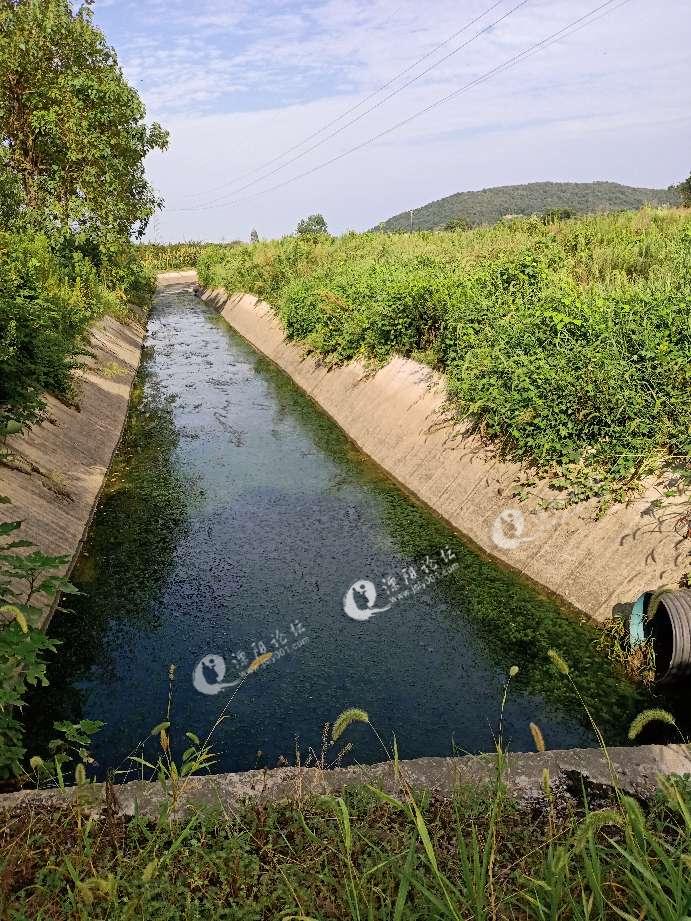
{"points": [[364, 855], [73, 131], [487, 206], [174, 257], [46, 307], [72, 195], [684, 190], [566, 342]]}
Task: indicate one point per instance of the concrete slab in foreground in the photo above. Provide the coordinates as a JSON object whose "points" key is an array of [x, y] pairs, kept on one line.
{"points": [[399, 416], [636, 770]]}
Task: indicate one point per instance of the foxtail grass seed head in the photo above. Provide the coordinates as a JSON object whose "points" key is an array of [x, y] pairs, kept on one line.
{"points": [[593, 823], [649, 716], [557, 661], [546, 782], [343, 720], [259, 661], [80, 775], [150, 870], [538, 738]]}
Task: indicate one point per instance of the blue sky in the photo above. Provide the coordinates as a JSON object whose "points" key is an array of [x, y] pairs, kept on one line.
{"points": [[237, 84]]}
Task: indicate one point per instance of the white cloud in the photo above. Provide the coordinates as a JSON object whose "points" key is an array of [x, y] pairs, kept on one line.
{"points": [[237, 85]]}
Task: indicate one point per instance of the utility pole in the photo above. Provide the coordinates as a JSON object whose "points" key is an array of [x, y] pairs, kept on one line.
{"points": [[411, 221]]}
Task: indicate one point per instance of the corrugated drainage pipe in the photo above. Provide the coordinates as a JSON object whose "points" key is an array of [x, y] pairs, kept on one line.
{"points": [[670, 630]]}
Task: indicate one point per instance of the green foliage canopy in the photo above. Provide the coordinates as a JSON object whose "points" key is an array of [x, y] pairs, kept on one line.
{"points": [[457, 223], [312, 226], [72, 131], [72, 194], [684, 189]]}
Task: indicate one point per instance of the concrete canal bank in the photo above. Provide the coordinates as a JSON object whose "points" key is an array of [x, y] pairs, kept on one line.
{"points": [[399, 417], [637, 772], [58, 467], [278, 514]]}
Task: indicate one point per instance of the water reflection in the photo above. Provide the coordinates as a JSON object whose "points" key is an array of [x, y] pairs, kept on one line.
{"points": [[235, 518]]}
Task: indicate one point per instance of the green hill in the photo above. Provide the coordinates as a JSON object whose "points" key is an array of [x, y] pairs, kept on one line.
{"points": [[487, 206]]}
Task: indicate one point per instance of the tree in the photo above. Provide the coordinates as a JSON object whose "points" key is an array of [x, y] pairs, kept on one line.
{"points": [[312, 226], [457, 223], [554, 215], [684, 189], [72, 133], [254, 236]]}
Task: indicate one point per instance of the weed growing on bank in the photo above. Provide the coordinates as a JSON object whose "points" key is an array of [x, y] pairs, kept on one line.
{"points": [[479, 855], [47, 304], [565, 343], [368, 853]]}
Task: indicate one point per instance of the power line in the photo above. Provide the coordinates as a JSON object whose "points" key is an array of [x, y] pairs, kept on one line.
{"points": [[569, 29], [352, 108], [381, 102]]}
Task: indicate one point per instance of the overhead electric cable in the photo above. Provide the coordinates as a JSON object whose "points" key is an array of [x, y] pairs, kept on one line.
{"points": [[347, 112], [571, 28], [379, 103]]}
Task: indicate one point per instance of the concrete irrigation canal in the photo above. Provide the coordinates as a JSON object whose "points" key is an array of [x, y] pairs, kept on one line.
{"points": [[237, 520]]}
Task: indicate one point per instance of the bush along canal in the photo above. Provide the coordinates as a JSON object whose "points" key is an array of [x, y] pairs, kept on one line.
{"points": [[238, 520]]}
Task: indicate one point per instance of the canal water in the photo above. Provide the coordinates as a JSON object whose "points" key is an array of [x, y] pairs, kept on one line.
{"points": [[238, 520]]}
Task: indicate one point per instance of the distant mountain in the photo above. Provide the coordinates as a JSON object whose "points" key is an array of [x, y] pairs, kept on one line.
{"points": [[487, 206]]}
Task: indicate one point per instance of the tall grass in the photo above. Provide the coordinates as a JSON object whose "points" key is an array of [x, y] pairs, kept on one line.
{"points": [[366, 854], [169, 257], [566, 343]]}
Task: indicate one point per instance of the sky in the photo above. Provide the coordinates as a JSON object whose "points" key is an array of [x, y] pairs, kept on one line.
{"points": [[240, 84]]}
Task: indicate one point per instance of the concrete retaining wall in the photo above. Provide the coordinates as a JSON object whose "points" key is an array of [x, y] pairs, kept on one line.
{"points": [[59, 466], [398, 417], [636, 770]]}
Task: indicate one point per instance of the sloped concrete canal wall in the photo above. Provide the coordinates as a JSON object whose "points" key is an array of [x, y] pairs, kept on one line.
{"points": [[398, 416], [58, 467]]}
